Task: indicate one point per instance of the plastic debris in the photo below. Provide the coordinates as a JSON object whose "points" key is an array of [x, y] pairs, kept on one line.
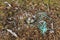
{"points": [[7, 4], [42, 14], [51, 31], [13, 33], [30, 20], [42, 27]]}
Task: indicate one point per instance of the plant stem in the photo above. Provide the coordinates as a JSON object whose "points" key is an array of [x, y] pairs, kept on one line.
{"points": [[48, 5]]}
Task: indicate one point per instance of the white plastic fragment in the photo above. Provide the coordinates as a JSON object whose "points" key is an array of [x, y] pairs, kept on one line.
{"points": [[52, 25], [13, 33], [28, 20], [32, 20], [7, 3], [34, 16], [51, 31], [41, 21]]}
